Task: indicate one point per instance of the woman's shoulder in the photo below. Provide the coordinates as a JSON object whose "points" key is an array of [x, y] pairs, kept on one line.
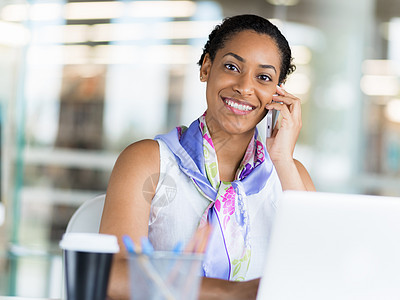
{"points": [[146, 146], [143, 155]]}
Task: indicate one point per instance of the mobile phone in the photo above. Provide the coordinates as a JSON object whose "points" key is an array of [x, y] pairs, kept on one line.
{"points": [[272, 117]]}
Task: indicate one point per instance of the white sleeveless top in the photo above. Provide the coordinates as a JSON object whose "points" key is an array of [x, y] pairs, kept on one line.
{"points": [[178, 206]]}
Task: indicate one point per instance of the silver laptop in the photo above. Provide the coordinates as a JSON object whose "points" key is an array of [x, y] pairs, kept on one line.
{"points": [[333, 246]]}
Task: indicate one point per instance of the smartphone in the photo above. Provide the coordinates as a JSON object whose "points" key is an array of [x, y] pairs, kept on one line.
{"points": [[272, 117]]}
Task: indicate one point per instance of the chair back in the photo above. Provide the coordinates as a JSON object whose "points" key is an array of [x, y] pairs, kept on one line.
{"points": [[88, 216]]}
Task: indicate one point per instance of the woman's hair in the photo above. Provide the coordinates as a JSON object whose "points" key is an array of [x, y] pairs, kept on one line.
{"points": [[233, 25]]}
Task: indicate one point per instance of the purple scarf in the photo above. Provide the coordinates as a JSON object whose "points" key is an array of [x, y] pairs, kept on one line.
{"points": [[229, 250]]}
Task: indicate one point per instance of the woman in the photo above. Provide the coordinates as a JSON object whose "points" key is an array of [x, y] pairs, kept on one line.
{"points": [[218, 170]]}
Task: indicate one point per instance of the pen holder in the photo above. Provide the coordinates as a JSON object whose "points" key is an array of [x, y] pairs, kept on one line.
{"points": [[165, 275]]}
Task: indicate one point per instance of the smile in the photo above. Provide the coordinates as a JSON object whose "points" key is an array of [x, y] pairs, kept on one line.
{"points": [[237, 106]]}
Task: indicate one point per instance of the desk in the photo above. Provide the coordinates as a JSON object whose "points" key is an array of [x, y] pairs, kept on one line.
{"points": [[23, 298]]}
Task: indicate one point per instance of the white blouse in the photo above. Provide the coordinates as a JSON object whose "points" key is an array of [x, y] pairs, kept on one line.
{"points": [[177, 207]]}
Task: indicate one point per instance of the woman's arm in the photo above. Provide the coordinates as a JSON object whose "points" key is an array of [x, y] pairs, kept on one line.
{"points": [[127, 208], [305, 177], [293, 175]]}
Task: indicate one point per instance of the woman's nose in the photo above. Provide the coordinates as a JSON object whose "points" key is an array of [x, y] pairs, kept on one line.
{"points": [[244, 85]]}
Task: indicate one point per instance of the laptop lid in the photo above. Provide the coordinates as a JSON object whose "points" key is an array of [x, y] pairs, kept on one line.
{"points": [[333, 246]]}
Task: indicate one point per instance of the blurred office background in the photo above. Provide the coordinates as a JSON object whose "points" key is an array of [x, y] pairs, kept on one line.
{"points": [[82, 80]]}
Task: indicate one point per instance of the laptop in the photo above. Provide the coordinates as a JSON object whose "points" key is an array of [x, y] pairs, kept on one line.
{"points": [[333, 246]]}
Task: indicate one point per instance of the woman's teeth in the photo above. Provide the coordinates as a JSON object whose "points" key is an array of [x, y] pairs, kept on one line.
{"points": [[235, 105]]}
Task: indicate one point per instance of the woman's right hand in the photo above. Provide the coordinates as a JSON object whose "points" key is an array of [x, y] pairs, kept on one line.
{"points": [[281, 145], [292, 174]]}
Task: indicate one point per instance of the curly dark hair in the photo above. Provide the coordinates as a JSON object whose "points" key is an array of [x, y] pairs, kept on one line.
{"points": [[233, 25]]}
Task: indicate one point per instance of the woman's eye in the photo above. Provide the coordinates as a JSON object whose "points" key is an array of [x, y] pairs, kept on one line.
{"points": [[231, 67], [264, 77]]}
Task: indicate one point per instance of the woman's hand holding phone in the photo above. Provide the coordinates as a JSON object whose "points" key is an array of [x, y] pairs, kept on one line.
{"points": [[282, 140]]}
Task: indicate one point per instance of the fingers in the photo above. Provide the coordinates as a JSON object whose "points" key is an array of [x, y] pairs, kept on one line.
{"points": [[283, 96], [285, 102], [289, 107]]}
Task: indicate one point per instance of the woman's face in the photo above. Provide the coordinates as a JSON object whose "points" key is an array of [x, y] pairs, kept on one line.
{"points": [[240, 82]]}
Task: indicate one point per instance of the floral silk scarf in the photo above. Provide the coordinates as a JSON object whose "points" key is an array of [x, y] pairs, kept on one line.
{"points": [[229, 251]]}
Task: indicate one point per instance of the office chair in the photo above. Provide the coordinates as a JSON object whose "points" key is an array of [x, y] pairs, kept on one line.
{"points": [[88, 216]]}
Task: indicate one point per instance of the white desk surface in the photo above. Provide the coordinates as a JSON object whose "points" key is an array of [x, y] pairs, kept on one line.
{"points": [[24, 298]]}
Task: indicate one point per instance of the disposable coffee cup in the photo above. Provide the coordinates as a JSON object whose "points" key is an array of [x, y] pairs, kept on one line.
{"points": [[87, 264]]}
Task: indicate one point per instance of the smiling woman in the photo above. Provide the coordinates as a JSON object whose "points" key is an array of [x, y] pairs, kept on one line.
{"points": [[223, 173]]}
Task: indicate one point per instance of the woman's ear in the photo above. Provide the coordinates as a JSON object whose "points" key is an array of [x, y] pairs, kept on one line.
{"points": [[205, 68]]}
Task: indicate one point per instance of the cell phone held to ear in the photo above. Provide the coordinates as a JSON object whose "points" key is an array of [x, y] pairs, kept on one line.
{"points": [[272, 117]]}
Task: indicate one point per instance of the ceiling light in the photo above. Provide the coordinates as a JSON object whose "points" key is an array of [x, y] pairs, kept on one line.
{"points": [[379, 85], [185, 29], [392, 110], [379, 67], [46, 11], [98, 10], [283, 2], [59, 55], [61, 34], [118, 32], [13, 34], [159, 30], [93, 10], [36, 12], [177, 9], [157, 54], [14, 12], [136, 9]]}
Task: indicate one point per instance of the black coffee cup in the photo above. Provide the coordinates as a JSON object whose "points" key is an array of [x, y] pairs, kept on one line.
{"points": [[87, 264]]}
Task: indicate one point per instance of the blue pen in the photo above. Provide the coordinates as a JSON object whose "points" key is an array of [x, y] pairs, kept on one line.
{"points": [[129, 244], [178, 248], [147, 247]]}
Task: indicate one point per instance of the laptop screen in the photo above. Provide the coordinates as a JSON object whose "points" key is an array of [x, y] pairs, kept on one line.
{"points": [[333, 246]]}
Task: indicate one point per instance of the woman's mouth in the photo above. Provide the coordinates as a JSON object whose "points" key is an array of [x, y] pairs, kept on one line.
{"points": [[238, 108]]}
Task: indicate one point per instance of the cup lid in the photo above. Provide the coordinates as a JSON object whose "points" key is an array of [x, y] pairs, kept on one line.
{"points": [[90, 242]]}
